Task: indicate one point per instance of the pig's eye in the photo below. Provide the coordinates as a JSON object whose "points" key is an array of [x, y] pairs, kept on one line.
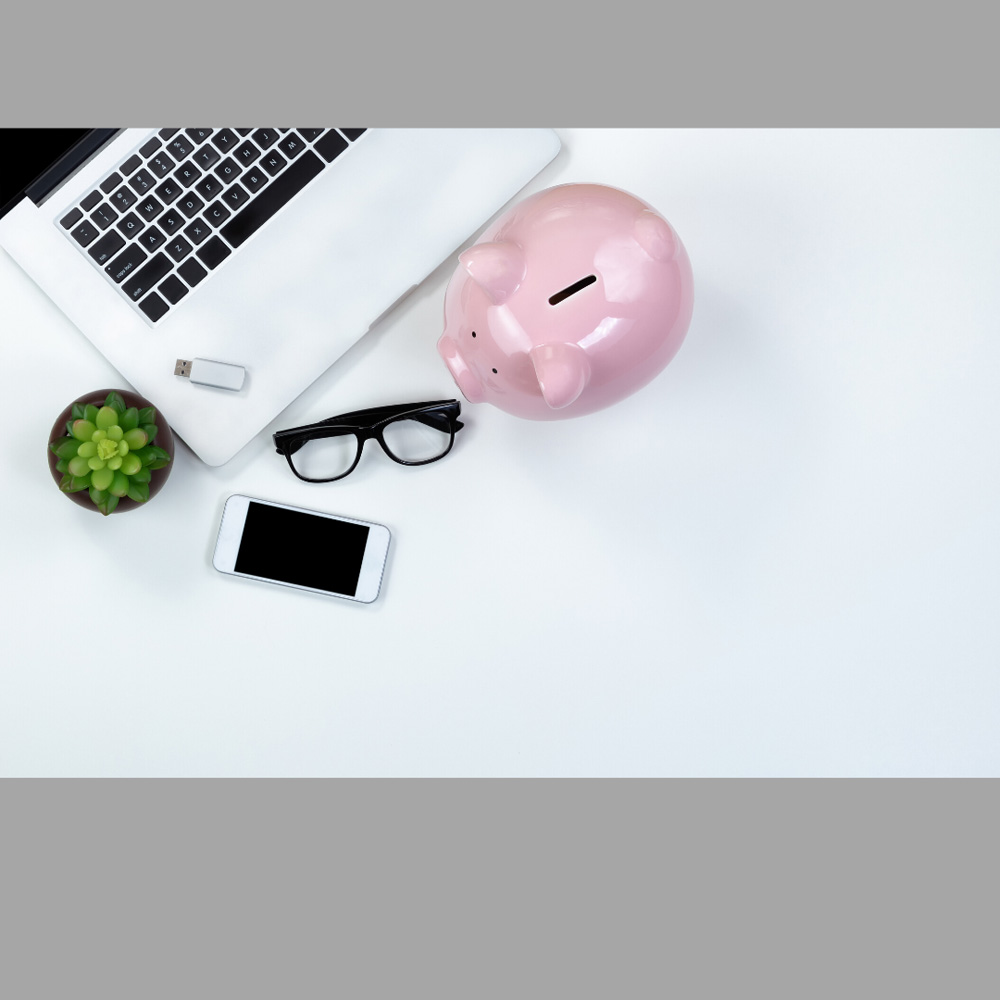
{"points": [[571, 289], [494, 371], [473, 333]]}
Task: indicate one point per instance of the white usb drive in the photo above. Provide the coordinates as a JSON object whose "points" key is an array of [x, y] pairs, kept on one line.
{"points": [[217, 374]]}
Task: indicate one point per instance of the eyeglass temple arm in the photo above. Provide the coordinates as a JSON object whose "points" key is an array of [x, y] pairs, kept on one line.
{"points": [[373, 415]]}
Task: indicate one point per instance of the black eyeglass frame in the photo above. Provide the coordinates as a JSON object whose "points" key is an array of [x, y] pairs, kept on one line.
{"points": [[370, 423]]}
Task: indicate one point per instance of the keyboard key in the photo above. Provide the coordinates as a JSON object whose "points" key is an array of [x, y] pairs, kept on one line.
{"points": [[180, 146], [125, 263], [217, 213], [173, 289], [225, 140], [265, 137], [254, 179], [166, 133], [154, 307], [206, 156], [291, 145], [68, 221], [235, 197], [213, 253], [131, 225], [228, 170], [331, 146], [147, 276], [273, 162], [199, 134], [131, 165], [110, 183], [85, 233], [168, 191], [191, 271], [90, 201], [149, 209], [247, 153], [275, 196], [171, 221], [152, 239], [161, 164], [123, 199], [208, 187], [104, 216], [187, 174], [309, 134], [178, 248], [190, 204], [142, 182], [243, 131], [353, 133], [150, 147], [198, 231], [106, 247]]}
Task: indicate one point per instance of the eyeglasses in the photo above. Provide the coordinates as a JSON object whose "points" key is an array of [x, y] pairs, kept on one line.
{"points": [[409, 433]]}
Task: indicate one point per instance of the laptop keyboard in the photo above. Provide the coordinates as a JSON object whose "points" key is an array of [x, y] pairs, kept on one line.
{"points": [[176, 209]]}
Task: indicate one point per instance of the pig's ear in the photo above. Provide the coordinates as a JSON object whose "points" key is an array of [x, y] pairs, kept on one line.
{"points": [[655, 236], [497, 267], [563, 372]]}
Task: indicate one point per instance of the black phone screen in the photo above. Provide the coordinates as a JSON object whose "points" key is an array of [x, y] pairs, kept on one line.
{"points": [[308, 550]]}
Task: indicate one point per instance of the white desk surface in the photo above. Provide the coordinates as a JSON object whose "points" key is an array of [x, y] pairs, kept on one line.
{"points": [[782, 557]]}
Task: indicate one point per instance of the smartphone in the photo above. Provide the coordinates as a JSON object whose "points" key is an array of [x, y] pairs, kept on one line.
{"points": [[306, 549]]}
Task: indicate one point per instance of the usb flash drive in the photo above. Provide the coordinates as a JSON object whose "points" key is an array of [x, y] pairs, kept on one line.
{"points": [[217, 374]]}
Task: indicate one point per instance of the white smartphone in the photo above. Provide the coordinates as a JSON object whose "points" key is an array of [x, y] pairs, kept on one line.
{"points": [[307, 549]]}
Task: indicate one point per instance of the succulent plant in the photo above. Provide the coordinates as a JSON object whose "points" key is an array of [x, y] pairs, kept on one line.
{"points": [[109, 451]]}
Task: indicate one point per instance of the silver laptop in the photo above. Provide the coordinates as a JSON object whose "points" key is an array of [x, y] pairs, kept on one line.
{"points": [[271, 250]]}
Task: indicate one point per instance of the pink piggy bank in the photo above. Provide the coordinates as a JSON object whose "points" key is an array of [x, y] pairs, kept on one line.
{"points": [[574, 299]]}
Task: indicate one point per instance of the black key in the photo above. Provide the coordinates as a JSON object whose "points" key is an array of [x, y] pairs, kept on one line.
{"points": [[254, 179], [228, 170], [152, 239], [106, 247], [226, 140], [168, 191], [209, 186], [190, 204], [198, 231], [247, 153], [166, 133], [125, 263], [235, 197], [213, 253], [331, 146], [104, 216], [192, 272], [243, 131], [142, 181], [217, 213], [291, 145], [206, 156], [85, 233], [131, 225], [123, 199], [110, 183], [199, 134], [178, 248], [273, 162], [72, 219], [90, 201], [187, 174], [265, 137], [147, 276], [171, 221], [278, 193], [353, 133], [161, 164], [154, 307], [310, 133], [173, 289], [149, 209], [180, 146], [130, 165], [151, 147]]}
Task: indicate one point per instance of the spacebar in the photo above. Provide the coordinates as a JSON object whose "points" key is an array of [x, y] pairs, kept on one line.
{"points": [[275, 195]]}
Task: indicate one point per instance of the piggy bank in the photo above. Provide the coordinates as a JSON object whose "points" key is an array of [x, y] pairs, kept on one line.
{"points": [[574, 299]]}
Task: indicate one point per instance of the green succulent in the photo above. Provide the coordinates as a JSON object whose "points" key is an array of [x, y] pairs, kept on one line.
{"points": [[109, 451]]}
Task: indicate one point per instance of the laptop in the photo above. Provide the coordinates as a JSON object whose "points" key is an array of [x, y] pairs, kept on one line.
{"points": [[271, 250]]}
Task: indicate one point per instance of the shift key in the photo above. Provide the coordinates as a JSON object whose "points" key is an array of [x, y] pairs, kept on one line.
{"points": [[147, 276]]}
